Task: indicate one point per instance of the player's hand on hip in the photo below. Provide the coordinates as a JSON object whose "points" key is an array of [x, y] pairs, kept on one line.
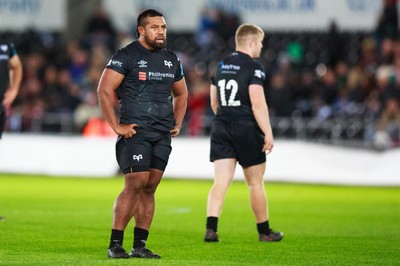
{"points": [[126, 130], [175, 132]]}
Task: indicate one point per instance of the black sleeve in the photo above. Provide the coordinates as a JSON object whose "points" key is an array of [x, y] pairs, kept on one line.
{"points": [[119, 62]]}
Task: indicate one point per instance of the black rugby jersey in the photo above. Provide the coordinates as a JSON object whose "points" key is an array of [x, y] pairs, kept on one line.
{"points": [[7, 51], [145, 93], [232, 76]]}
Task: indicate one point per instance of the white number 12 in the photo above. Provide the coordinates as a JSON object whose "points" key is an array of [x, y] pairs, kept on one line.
{"points": [[223, 87]]}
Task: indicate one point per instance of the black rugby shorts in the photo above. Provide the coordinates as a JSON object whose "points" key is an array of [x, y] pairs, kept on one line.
{"points": [[242, 140], [144, 150], [2, 121]]}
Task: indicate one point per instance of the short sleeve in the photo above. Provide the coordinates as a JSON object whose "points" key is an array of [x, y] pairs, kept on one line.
{"points": [[212, 78], [119, 62], [11, 51], [258, 75], [179, 71]]}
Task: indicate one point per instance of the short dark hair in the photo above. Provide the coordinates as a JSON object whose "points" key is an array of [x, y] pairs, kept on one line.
{"points": [[141, 19]]}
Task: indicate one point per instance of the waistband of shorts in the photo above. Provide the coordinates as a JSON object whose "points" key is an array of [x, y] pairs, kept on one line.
{"points": [[233, 118]]}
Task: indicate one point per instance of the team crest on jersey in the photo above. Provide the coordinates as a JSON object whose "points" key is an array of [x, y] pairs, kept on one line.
{"points": [[168, 63], [142, 63], [4, 47]]}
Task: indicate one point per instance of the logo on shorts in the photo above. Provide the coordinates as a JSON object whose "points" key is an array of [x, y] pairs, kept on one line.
{"points": [[137, 157]]}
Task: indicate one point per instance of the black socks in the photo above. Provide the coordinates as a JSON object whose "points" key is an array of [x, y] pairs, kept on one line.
{"points": [[212, 223], [117, 237], [139, 237], [263, 228]]}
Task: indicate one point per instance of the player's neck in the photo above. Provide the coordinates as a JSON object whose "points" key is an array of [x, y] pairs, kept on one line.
{"points": [[145, 44], [245, 50]]}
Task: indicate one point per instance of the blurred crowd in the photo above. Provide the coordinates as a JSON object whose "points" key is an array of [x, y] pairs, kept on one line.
{"points": [[313, 77]]}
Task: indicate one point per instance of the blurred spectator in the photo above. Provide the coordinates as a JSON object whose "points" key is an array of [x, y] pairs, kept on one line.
{"points": [[97, 57], [207, 29], [65, 98], [388, 24], [295, 52], [197, 103], [355, 84], [335, 45], [227, 25], [303, 94], [78, 64], [368, 55], [388, 126], [341, 69], [86, 110], [385, 84], [100, 30], [326, 95], [386, 52], [279, 96], [396, 63]]}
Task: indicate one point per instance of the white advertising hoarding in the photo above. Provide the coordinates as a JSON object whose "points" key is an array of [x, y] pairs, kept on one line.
{"points": [[184, 15], [39, 14]]}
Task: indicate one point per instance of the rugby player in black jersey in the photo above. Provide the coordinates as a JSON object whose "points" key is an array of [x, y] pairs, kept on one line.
{"points": [[149, 83], [241, 130], [10, 78]]}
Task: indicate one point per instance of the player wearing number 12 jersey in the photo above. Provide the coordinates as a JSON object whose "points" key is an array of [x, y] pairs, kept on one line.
{"points": [[241, 130]]}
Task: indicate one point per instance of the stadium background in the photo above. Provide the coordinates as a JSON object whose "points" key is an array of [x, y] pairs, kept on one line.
{"points": [[332, 68]]}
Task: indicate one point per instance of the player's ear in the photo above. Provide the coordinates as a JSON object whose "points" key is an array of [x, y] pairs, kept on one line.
{"points": [[251, 42], [140, 31]]}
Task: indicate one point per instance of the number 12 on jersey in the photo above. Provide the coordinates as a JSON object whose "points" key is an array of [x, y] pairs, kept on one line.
{"points": [[223, 87]]}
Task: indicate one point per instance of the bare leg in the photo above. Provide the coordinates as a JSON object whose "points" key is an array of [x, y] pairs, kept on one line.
{"points": [[144, 211], [128, 199], [258, 199], [224, 170]]}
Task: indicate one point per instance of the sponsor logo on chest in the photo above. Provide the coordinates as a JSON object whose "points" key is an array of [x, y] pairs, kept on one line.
{"points": [[153, 74], [142, 63]]}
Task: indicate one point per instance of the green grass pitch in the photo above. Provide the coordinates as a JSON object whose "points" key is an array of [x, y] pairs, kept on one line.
{"points": [[67, 221]]}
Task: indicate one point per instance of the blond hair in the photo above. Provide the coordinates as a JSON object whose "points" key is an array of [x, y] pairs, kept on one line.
{"points": [[245, 31]]}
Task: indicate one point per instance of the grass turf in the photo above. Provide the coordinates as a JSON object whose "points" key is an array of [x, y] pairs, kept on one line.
{"points": [[66, 221]]}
